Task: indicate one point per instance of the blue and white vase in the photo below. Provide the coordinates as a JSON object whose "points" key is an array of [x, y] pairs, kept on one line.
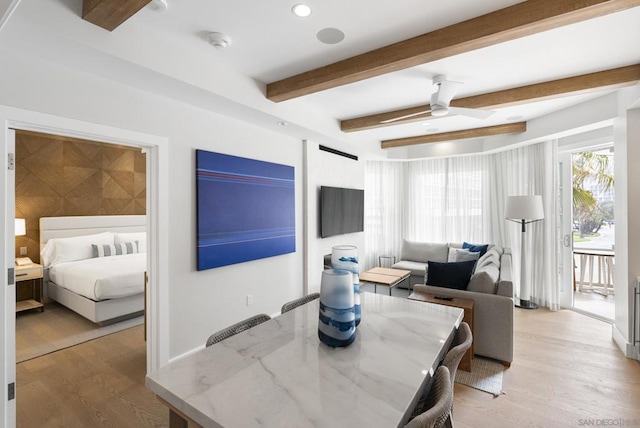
{"points": [[336, 323], [345, 257]]}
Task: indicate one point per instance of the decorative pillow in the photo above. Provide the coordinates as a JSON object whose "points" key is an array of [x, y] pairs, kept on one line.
{"points": [[141, 237], [450, 275], [460, 255], [476, 248], [60, 250], [106, 250]]}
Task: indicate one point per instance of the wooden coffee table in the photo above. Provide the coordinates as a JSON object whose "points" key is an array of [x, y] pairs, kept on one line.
{"points": [[384, 276], [457, 302]]}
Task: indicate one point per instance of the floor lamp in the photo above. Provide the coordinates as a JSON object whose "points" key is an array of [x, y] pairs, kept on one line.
{"points": [[524, 210]]}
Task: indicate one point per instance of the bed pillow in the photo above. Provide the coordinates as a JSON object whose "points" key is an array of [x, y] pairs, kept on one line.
{"points": [[106, 250], [60, 250], [141, 237], [450, 275]]}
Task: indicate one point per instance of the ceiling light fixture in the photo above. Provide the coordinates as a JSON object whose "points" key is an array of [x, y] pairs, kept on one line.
{"points": [[219, 40], [301, 10], [282, 123], [160, 5]]}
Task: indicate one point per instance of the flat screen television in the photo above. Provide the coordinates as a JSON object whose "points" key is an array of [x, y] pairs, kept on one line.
{"points": [[341, 211]]}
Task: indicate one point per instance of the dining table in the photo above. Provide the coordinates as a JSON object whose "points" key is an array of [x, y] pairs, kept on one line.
{"points": [[279, 374]]}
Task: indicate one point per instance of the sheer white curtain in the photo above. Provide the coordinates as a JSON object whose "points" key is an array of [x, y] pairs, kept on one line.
{"points": [[445, 200], [384, 212], [463, 199], [530, 170]]}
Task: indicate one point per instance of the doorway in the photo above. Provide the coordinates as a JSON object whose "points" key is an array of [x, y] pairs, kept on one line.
{"points": [[59, 176], [156, 149], [588, 221]]}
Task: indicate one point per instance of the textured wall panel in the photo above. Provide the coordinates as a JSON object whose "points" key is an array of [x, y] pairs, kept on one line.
{"points": [[60, 176]]}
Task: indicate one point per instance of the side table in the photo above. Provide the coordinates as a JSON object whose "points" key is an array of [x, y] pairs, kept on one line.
{"points": [[386, 261], [457, 302], [29, 297]]}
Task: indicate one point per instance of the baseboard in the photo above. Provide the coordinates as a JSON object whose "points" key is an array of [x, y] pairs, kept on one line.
{"points": [[627, 348], [186, 354]]}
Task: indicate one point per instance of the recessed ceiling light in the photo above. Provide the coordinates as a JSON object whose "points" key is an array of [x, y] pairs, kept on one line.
{"points": [[330, 36], [282, 123], [301, 10]]}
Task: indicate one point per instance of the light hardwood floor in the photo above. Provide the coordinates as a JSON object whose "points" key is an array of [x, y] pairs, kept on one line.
{"points": [[96, 384], [566, 371]]}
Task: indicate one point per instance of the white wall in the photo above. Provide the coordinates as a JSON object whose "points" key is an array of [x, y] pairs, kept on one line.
{"points": [[199, 302], [326, 169], [628, 240]]}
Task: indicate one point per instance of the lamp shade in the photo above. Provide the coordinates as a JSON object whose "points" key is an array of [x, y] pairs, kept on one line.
{"points": [[524, 208], [20, 227]]}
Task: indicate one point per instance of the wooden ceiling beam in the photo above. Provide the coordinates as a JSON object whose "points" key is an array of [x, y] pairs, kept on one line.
{"points": [[510, 128], [523, 19], [608, 79], [109, 14]]}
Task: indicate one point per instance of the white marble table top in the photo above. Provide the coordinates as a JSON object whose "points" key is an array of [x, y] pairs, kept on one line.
{"points": [[279, 374]]}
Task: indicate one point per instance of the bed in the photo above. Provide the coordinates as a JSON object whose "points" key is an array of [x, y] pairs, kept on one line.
{"points": [[95, 265]]}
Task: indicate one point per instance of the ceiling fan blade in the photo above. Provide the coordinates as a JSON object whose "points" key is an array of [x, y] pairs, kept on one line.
{"points": [[472, 112], [405, 116], [447, 89]]}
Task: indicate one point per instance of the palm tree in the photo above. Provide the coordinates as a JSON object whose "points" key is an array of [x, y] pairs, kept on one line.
{"points": [[587, 211]]}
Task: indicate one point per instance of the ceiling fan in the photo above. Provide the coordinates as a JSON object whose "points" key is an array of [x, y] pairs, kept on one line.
{"points": [[440, 99]]}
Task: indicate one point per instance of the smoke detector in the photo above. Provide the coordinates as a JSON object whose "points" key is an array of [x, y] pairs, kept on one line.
{"points": [[219, 40]]}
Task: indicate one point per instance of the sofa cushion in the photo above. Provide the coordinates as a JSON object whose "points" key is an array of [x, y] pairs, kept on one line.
{"points": [[450, 275], [416, 268], [460, 255], [423, 251], [484, 280], [487, 259], [481, 248]]}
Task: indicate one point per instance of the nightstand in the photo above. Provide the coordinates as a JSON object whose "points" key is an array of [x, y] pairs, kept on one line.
{"points": [[29, 287]]}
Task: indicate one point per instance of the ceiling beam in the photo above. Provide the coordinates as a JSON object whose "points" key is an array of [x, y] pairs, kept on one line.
{"points": [[510, 128], [523, 19], [109, 14], [608, 79]]}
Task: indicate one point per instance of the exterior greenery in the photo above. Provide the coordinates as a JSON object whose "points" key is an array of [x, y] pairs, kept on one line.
{"points": [[591, 172]]}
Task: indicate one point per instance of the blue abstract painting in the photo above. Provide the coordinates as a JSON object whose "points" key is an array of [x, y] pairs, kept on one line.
{"points": [[246, 209]]}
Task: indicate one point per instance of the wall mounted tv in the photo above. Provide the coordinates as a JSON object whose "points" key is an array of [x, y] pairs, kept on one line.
{"points": [[341, 211]]}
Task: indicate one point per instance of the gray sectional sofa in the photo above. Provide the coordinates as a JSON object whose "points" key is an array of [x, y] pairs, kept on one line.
{"points": [[490, 287]]}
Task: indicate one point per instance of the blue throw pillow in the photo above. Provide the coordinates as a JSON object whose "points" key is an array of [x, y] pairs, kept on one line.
{"points": [[475, 248], [450, 275]]}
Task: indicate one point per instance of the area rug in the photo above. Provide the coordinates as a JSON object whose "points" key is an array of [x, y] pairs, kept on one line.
{"points": [[40, 333], [485, 375]]}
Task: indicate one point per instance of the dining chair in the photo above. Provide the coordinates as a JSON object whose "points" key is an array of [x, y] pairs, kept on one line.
{"points": [[461, 343], [438, 403], [299, 302], [237, 328]]}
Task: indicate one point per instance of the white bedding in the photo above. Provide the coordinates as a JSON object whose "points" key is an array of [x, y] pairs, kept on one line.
{"points": [[103, 277]]}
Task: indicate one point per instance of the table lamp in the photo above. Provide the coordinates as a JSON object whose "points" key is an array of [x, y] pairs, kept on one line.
{"points": [[524, 210], [20, 227]]}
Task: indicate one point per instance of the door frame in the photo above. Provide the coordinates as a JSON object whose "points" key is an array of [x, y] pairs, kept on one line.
{"points": [[157, 150], [566, 152], [565, 218]]}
